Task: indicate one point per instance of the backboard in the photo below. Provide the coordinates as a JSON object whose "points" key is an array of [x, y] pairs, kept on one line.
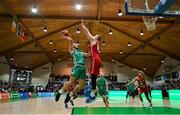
{"points": [[170, 8]]}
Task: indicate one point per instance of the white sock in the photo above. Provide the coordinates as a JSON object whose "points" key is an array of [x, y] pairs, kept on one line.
{"points": [[71, 94], [61, 91]]}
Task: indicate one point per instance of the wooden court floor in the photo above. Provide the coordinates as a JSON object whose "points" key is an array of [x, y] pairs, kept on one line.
{"points": [[49, 106]]}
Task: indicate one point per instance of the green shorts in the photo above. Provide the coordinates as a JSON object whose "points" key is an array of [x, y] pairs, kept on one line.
{"points": [[103, 93], [79, 72]]}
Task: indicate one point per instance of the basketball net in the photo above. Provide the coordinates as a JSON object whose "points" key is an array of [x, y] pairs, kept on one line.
{"points": [[150, 22]]}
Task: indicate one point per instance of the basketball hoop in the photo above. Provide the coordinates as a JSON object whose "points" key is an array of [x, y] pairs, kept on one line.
{"points": [[150, 22]]}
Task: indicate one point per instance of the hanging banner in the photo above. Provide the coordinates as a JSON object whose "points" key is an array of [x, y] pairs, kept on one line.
{"points": [[21, 32], [14, 24]]}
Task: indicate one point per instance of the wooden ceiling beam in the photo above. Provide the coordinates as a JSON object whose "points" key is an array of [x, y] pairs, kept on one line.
{"points": [[102, 19], [107, 54], [123, 32], [99, 9], [159, 64], [144, 43], [8, 60], [34, 39], [62, 54], [9, 9], [136, 54], [170, 54], [147, 42], [39, 65], [13, 13], [5, 16], [131, 66], [57, 30], [124, 54], [39, 38], [153, 37]]}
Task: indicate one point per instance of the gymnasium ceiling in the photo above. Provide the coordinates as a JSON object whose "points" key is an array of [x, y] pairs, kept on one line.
{"points": [[100, 16]]}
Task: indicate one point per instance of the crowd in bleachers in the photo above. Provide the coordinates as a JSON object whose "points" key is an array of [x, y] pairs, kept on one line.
{"points": [[168, 85], [57, 82], [10, 87]]}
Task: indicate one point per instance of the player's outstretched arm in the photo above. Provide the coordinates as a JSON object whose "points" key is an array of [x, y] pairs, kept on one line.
{"points": [[86, 54], [70, 43], [86, 32], [139, 71], [132, 82]]}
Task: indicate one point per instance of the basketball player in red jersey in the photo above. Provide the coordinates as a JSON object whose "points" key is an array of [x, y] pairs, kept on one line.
{"points": [[95, 61], [142, 86]]}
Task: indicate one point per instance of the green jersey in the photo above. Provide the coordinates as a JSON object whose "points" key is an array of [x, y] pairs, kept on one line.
{"points": [[130, 87], [79, 69], [101, 83], [78, 57]]}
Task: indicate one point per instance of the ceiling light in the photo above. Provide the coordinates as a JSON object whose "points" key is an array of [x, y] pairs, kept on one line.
{"points": [[100, 50], [129, 44], [120, 13], [110, 32], [12, 59], [26, 66], [104, 43], [34, 10], [78, 31], [55, 50], [45, 28], [77, 42], [121, 52], [141, 33], [50, 42], [78, 6]]}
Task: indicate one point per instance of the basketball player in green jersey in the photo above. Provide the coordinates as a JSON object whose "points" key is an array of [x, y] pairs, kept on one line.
{"points": [[130, 90], [79, 69], [102, 88]]}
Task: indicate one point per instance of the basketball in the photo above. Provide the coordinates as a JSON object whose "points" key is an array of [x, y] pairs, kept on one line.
{"points": [[64, 33]]}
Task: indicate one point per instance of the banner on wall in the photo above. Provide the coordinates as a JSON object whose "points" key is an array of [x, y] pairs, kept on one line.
{"points": [[20, 32], [4, 95], [14, 24]]}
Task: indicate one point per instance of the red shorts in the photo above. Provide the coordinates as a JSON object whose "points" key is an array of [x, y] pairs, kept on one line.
{"points": [[142, 90], [95, 65]]}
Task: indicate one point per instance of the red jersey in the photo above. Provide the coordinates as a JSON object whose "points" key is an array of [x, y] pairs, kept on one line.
{"points": [[95, 61], [142, 84], [94, 50]]}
